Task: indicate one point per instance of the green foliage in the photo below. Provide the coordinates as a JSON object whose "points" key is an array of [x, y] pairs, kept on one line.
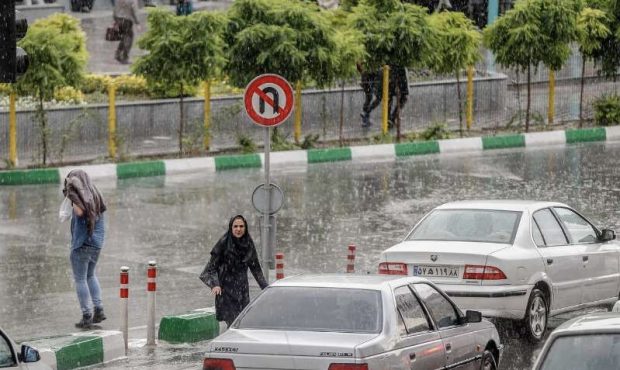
{"points": [[130, 85], [246, 143], [393, 32], [56, 47], [607, 110], [5, 89], [591, 31], [457, 42], [279, 142], [159, 90], [289, 38], [309, 141], [68, 94], [176, 57], [608, 56], [95, 83], [382, 138], [436, 131]]}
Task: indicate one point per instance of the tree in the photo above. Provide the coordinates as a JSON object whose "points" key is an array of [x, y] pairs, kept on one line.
{"points": [[608, 56], [289, 38], [514, 39], [177, 57], [56, 46], [393, 33], [456, 47], [591, 33]]}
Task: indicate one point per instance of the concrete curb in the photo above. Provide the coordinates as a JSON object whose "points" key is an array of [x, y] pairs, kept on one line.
{"points": [[81, 349], [195, 326], [301, 158]]}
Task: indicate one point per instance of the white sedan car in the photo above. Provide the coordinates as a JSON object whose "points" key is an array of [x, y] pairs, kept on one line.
{"points": [[520, 260], [589, 342], [22, 358], [354, 322]]}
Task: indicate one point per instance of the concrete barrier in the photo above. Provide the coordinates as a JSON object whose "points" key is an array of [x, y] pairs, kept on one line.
{"points": [[81, 349], [191, 327], [303, 158]]}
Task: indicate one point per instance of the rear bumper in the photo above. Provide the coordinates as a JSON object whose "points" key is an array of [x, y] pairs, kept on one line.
{"points": [[508, 301]]}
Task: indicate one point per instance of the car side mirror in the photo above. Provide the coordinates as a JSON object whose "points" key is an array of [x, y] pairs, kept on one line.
{"points": [[29, 354], [607, 235], [473, 316]]}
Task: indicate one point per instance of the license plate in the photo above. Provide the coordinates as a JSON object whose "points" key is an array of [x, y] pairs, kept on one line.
{"points": [[436, 271]]}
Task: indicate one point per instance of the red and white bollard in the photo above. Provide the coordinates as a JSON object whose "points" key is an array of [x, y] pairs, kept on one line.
{"points": [[351, 259], [279, 265], [124, 295], [151, 288]]}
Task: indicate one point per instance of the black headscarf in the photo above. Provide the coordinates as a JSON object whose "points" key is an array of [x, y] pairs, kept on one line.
{"points": [[239, 247], [85, 195]]}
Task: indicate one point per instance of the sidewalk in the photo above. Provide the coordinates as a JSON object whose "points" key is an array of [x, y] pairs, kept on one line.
{"points": [[101, 52]]}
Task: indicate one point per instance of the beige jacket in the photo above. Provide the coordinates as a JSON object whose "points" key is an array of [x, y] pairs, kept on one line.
{"points": [[127, 9]]}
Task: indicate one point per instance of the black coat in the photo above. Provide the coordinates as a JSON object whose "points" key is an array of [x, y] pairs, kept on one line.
{"points": [[228, 269]]}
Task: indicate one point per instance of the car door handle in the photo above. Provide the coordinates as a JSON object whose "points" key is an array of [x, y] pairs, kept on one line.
{"points": [[549, 261], [448, 347], [412, 356], [585, 258]]}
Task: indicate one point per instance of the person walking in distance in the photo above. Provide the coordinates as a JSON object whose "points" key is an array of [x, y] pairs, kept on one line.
{"points": [[125, 15], [87, 233], [227, 271]]}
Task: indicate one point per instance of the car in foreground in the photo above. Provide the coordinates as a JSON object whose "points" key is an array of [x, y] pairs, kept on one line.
{"points": [[589, 342], [518, 260], [354, 322], [14, 357]]}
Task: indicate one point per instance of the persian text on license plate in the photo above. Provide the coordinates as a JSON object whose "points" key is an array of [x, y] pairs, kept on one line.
{"points": [[436, 271]]}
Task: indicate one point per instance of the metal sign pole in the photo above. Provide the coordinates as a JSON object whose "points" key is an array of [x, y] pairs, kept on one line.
{"points": [[266, 249]]}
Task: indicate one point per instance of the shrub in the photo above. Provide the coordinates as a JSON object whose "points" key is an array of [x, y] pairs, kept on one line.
{"points": [[130, 85], [5, 89], [436, 131], [607, 110], [95, 83], [68, 94], [246, 143]]}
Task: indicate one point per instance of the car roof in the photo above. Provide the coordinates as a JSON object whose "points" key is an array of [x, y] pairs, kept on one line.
{"points": [[500, 204], [597, 322], [354, 281]]}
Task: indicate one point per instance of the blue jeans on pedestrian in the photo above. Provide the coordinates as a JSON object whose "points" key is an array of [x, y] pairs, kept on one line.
{"points": [[83, 262]]}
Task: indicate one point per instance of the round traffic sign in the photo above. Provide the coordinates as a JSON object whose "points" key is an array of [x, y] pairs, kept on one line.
{"points": [[268, 100], [259, 198]]}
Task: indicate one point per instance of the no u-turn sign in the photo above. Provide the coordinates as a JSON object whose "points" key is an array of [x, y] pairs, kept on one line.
{"points": [[268, 100]]}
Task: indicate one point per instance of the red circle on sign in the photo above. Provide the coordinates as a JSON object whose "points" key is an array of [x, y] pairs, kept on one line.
{"points": [[256, 87]]}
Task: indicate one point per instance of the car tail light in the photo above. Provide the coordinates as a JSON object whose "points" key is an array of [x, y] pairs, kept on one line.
{"points": [[348, 367], [218, 364], [479, 272], [393, 268]]}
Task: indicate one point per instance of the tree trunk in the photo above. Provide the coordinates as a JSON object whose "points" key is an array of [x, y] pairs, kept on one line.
{"points": [[458, 94], [181, 123], [43, 126], [529, 99], [583, 72], [342, 114], [397, 118]]}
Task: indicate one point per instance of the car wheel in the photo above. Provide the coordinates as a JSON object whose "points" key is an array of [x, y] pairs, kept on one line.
{"points": [[488, 361], [535, 323]]}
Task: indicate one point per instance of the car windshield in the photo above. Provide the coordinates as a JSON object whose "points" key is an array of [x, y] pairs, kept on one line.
{"points": [[584, 352], [315, 309], [471, 225]]}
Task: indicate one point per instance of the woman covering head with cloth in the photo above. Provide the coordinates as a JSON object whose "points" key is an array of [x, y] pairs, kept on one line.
{"points": [[87, 232], [227, 271]]}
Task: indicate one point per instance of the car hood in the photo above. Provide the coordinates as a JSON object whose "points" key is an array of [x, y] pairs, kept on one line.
{"points": [[290, 343]]}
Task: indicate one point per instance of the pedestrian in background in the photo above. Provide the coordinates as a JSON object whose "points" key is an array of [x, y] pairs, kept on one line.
{"points": [[227, 271], [184, 7], [125, 15], [87, 233]]}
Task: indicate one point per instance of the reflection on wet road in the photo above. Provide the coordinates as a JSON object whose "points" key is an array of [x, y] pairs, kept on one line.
{"points": [[176, 221]]}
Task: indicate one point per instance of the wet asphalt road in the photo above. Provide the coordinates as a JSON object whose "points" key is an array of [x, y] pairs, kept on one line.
{"points": [[176, 221]]}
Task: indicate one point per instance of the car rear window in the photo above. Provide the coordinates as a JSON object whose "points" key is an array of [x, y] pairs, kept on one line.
{"points": [[315, 309], [584, 352], [475, 225]]}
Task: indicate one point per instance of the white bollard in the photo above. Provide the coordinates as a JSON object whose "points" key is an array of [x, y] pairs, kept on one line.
{"points": [[151, 288], [124, 295]]}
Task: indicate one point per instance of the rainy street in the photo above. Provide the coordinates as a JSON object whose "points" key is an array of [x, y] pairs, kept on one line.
{"points": [[176, 220]]}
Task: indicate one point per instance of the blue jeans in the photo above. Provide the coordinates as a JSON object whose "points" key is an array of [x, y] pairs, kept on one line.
{"points": [[83, 262]]}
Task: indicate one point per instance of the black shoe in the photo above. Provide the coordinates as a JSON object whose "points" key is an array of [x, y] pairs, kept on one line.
{"points": [[86, 322], [99, 316]]}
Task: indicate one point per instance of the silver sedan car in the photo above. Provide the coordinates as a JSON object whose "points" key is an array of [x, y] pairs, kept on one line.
{"points": [[512, 259], [589, 342], [19, 358], [355, 322]]}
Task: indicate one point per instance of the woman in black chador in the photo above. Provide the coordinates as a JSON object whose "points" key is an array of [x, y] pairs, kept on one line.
{"points": [[227, 271]]}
